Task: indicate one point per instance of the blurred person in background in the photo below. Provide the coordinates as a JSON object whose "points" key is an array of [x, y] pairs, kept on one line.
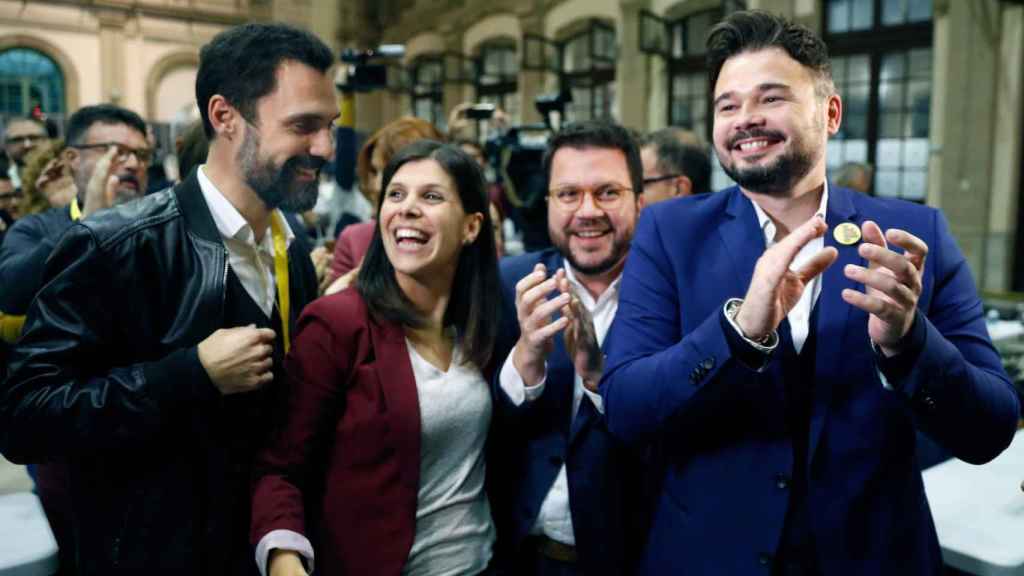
{"points": [[21, 135], [673, 166], [10, 198], [855, 176], [354, 239], [47, 179]]}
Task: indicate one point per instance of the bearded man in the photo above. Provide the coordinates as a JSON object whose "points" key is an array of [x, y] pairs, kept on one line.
{"points": [[152, 355], [780, 343], [566, 494]]}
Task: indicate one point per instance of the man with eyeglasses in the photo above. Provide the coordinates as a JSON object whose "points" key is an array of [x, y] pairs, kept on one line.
{"points": [[99, 137], [562, 481], [675, 165], [21, 135]]}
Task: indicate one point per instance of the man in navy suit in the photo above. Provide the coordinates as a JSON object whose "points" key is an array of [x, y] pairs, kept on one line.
{"points": [[781, 342], [562, 505]]}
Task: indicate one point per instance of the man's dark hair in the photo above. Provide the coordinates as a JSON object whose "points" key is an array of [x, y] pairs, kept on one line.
{"points": [[677, 157], [85, 117], [597, 134], [241, 65], [472, 306], [751, 30], [5, 166]]}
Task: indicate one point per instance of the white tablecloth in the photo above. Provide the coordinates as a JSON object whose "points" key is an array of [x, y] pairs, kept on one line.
{"points": [[979, 512], [27, 547]]}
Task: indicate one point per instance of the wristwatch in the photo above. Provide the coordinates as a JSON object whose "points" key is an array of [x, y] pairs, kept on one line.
{"points": [[766, 345]]}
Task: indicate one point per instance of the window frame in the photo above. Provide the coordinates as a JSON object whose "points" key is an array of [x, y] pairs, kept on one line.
{"points": [[875, 42]]}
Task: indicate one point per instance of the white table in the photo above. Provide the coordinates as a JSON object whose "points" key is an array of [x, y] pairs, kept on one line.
{"points": [[27, 546], [1004, 329], [979, 512]]}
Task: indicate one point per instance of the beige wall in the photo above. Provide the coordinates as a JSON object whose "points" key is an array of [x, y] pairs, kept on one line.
{"points": [[175, 95]]}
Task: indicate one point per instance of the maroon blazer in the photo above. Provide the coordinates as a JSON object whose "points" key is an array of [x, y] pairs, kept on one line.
{"points": [[345, 456], [352, 245]]}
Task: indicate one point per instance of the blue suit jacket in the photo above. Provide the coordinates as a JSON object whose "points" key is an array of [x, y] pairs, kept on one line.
{"points": [[720, 426], [532, 441]]}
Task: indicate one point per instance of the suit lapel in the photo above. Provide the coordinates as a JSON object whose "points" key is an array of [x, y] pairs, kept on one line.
{"points": [[399, 386], [742, 236], [833, 312]]}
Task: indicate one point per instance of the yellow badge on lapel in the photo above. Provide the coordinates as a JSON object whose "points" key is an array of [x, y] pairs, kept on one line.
{"points": [[847, 233]]}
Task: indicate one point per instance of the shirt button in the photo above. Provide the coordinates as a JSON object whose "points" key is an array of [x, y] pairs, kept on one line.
{"points": [[764, 559], [781, 481]]}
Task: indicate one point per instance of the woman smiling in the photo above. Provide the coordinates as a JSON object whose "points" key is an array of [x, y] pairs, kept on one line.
{"points": [[378, 458]]}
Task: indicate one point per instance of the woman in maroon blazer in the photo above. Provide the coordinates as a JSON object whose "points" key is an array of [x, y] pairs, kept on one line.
{"points": [[377, 461]]}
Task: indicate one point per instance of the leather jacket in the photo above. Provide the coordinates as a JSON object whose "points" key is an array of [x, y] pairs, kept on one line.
{"points": [[107, 376]]}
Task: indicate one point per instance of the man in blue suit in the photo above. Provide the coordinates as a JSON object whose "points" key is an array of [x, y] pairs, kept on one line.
{"points": [[780, 342], [562, 499]]}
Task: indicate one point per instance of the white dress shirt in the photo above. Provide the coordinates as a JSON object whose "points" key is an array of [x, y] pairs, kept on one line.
{"points": [[800, 316], [253, 263], [555, 518]]}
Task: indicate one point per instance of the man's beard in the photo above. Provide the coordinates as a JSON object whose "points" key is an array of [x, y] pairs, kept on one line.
{"points": [[775, 178], [618, 249], [279, 187]]}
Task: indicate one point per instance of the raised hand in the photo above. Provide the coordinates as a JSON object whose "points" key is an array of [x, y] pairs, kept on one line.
{"points": [[775, 289], [238, 359], [536, 327], [101, 190], [581, 340], [892, 284]]}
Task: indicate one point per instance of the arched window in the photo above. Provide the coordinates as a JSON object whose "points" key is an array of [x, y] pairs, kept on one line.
{"points": [[30, 79]]}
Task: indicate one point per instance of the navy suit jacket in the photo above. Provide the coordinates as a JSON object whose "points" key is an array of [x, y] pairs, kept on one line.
{"points": [[533, 440], [720, 426]]}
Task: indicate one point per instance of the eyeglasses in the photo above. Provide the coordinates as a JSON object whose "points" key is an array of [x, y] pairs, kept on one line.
{"points": [[16, 193], [606, 197], [143, 155], [656, 179]]}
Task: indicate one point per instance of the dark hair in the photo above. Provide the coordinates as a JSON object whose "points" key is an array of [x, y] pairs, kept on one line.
{"points": [[192, 148], [677, 157], [597, 134], [87, 116], [472, 306], [241, 65], [751, 30]]}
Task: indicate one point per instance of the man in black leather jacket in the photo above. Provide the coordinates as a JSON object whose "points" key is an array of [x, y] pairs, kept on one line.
{"points": [[151, 358]]}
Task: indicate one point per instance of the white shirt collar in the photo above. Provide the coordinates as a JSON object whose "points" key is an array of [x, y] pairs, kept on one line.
{"points": [[768, 227], [611, 292], [230, 222]]}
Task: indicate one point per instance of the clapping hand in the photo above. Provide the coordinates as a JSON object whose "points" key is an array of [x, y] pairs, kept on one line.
{"points": [[892, 284]]}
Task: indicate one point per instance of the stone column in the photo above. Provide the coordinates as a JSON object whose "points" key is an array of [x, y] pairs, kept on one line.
{"points": [[112, 49], [531, 82], [632, 80], [966, 56], [1007, 180]]}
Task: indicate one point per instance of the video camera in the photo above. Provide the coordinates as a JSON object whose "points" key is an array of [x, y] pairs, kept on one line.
{"points": [[365, 72], [519, 156]]}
